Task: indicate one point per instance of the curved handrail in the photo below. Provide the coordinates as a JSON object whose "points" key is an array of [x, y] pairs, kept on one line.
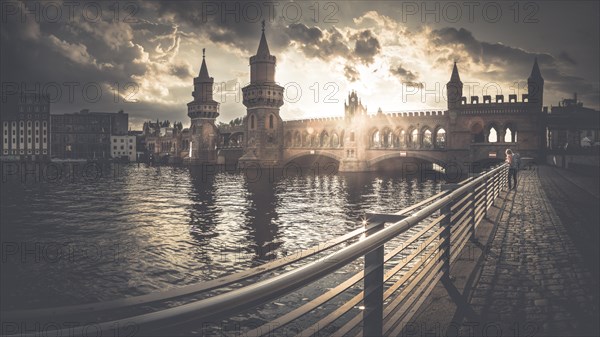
{"points": [[238, 300]]}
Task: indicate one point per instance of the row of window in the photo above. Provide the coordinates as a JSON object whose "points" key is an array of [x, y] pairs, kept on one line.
{"points": [[122, 140], [122, 147], [29, 151], [36, 108], [29, 124], [14, 140]]}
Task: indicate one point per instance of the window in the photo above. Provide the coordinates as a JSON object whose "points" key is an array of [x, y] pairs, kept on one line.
{"points": [[122, 147], [130, 147], [130, 140], [44, 140], [270, 121], [252, 122], [115, 140], [122, 141]]}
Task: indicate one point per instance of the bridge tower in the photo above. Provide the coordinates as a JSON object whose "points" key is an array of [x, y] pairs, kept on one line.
{"points": [[203, 111], [454, 89], [535, 98], [263, 97], [355, 136], [535, 87]]}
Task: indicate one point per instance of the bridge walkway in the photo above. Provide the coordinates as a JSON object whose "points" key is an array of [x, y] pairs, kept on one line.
{"points": [[531, 277]]}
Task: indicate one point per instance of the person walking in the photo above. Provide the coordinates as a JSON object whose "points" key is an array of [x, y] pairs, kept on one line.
{"points": [[512, 169]]}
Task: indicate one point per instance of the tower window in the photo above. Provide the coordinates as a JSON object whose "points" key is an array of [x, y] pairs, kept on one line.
{"points": [[252, 122], [270, 121]]}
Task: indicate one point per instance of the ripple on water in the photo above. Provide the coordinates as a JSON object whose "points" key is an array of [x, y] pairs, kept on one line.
{"points": [[152, 229]]}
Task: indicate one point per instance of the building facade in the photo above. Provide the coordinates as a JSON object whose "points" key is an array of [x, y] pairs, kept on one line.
{"points": [[86, 135], [25, 121], [123, 147]]}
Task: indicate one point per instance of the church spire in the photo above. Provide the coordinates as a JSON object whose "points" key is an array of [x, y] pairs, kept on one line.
{"points": [[455, 78], [535, 71], [263, 47], [203, 68]]}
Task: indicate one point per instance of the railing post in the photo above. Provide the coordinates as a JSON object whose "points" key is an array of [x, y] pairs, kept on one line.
{"points": [[485, 194], [472, 201], [445, 234], [373, 288]]}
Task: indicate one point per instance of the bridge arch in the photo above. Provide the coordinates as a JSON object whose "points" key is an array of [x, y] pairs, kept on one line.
{"points": [[417, 155], [314, 153]]}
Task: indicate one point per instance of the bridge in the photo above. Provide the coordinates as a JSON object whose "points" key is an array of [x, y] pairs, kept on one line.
{"points": [[472, 134], [465, 134]]}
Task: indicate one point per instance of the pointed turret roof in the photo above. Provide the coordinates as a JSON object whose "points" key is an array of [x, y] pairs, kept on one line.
{"points": [[203, 68], [455, 77], [263, 47], [535, 71]]}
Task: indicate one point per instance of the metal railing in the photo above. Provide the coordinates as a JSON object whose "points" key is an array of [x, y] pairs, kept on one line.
{"points": [[395, 283]]}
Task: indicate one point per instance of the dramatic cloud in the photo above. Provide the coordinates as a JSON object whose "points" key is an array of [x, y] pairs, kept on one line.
{"points": [[146, 66], [366, 46], [403, 74]]}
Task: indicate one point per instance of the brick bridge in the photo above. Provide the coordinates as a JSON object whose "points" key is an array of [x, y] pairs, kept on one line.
{"points": [[467, 133]]}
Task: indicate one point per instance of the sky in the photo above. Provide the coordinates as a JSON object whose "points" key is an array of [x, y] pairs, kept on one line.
{"points": [[142, 56]]}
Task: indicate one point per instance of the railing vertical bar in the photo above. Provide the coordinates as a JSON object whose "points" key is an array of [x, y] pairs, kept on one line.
{"points": [[373, 289]]}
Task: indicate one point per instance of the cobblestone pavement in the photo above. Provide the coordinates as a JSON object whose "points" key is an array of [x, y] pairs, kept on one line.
{"points": [[534, 281]]}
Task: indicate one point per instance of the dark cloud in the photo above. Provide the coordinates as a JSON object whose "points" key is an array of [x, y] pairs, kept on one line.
{"points": [[314, 42], [404, 74], [366, 46], [566, 58], [183, 71]]}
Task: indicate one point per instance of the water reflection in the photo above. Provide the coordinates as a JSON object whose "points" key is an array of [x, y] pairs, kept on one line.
{"points": [[178, 226]]}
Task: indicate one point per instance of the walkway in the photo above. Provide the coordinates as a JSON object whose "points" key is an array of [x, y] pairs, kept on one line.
{"points": [[529, 278]]}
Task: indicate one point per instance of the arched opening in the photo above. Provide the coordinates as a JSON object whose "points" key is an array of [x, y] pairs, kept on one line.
{"points": [[510, 134], [305, 139], [387, 138], [342, 138], [427, 139], [414, 138], [324, 141], [297, 139], [477, 133], [252, 122], [271, 117], [313, 141], [288, 139], [402, 139], [440, 138], [376, 139], [335, 140], [492, 135]]}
